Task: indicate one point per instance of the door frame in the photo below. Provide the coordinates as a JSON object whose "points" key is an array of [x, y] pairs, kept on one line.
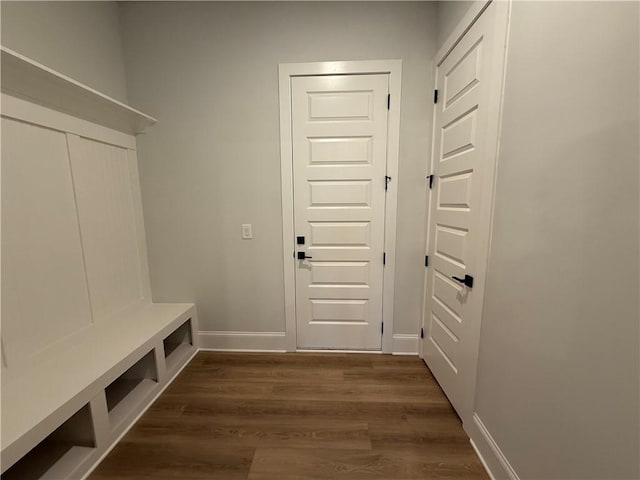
{"points": [[486, 208], [286, 71]]}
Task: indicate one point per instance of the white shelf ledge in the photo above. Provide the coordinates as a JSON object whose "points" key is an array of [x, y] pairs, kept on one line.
{"points": [[25, 78]]}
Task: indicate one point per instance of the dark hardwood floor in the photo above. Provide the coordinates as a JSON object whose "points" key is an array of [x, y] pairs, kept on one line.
{"points": [[297, 416]]}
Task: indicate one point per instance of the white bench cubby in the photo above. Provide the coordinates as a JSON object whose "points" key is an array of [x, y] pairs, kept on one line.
{"points": [[62, 416], [177, 345], [59, 453]]}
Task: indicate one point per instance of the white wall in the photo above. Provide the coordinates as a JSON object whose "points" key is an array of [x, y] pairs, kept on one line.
{"points": [[208, 72], [558, 377], [78, 39]]}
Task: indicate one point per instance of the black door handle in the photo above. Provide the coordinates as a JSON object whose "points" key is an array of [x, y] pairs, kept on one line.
{"points": [[467, 280], [303, 255]]}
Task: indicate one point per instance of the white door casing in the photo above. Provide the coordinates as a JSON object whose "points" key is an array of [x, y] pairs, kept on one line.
{"points": [[469, 82], [288, 74], [339, 127]]}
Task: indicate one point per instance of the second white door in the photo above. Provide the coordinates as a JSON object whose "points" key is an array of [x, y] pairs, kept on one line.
{"points": [[339, 126], [468, 83]]}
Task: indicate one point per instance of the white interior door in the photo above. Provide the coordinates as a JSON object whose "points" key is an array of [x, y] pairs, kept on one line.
{"points": [[463, 163], [339, 134]]}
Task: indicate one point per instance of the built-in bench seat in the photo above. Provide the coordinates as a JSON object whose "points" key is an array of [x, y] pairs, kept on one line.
{"points": [[63, 413]]}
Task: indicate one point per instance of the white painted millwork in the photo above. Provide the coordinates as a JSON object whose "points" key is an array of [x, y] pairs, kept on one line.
{"points": [[405, 344], [469, 80], [46, 394], [492, 457], [50, 88], [287, 73], [84, 350], [339, 125], [107, 223], [41, 247], [242, 341]]}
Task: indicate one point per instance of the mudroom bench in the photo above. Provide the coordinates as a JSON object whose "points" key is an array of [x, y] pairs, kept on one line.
{"points": [[85, 350]]}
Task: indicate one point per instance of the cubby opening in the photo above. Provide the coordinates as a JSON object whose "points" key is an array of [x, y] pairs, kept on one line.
{"points": [[178, 344], [59, 453], [131, 388]]}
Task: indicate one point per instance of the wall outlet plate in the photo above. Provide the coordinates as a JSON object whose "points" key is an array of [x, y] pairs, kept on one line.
{"points": [[247, 232]]}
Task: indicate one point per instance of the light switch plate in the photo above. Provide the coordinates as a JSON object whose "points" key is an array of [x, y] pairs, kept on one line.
{"points": [[247, 231]]}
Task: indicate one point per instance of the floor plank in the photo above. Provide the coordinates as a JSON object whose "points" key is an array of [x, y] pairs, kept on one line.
{"points": [[328, 464], [297, 416], [188, 457], [272, 431]]}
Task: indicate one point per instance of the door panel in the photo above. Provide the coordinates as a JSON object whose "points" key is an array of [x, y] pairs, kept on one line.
{"points": [[352, 105], [458, 137], [461, 158], [339, 126], [451, 244], [339, 235], [340, 193], [340, 151], [349, 273], [454, 192], [463, 76], [445, 342]]}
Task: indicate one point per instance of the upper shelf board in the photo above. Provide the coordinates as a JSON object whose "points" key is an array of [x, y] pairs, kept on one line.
{"points": [[25, 78]]}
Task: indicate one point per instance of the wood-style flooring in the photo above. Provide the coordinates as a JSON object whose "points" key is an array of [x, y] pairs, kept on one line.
{"points": [[297, 416]]}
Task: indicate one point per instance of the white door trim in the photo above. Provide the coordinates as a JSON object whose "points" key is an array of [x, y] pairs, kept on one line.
{"points": [[475, 10], [286, 71]]}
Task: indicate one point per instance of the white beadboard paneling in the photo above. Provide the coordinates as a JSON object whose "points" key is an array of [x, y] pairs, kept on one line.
{"points": [[45, 297], [139, 222], [104, 196]]}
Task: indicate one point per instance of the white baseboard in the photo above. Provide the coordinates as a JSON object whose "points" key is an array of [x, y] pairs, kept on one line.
{"points": [[243, 341], [489, 452], [404, 344]]}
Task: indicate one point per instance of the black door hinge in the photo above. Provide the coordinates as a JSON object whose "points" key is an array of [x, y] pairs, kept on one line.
{"points": [[389, 102], [384, 258], [387, 179], [382, 327], [422, 333], [435, 96], [426, 260], [430, 179]]}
